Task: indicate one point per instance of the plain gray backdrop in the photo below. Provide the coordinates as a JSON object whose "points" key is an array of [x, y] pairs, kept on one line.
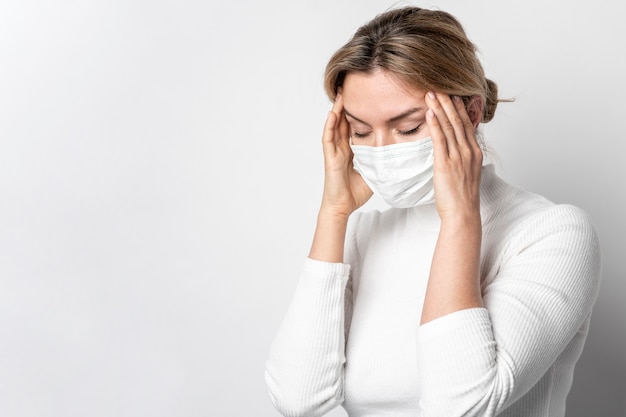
{"points": [[161, 171]]}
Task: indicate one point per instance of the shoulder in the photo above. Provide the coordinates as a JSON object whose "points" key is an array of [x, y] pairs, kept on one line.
{"points": [[557, 243], [564, 223], [529, 235], [512, 213], [562, 215]]}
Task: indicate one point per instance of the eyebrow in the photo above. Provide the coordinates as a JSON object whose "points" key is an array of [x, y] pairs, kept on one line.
{"points": [[391, 120]]}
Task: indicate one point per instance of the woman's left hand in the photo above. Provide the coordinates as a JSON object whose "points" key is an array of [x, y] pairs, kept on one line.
{"points": [[458, 157], [454, 281]]}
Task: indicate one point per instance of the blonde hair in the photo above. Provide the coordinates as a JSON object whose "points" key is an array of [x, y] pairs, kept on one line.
{"points": [[427, 49]]}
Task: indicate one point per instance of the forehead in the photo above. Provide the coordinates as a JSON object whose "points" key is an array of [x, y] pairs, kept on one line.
{"points": [[379, 95]]}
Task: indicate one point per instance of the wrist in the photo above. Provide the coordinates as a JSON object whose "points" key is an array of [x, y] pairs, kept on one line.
{"points": [[462, 225], [330, 233], [333, 214], [461, 218]]}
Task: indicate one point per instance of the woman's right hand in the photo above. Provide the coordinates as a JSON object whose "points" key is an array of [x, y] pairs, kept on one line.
{"points": [[344, 188]]}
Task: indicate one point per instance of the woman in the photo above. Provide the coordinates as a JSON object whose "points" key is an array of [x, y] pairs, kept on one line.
{"points": [[468, 296]]}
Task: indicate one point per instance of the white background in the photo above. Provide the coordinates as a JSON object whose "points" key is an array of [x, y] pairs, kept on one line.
{"points": [[160, 174]]}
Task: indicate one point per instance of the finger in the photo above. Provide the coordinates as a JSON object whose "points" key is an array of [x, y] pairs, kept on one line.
{"points": [[433, 100], [343, 129], [329, 128], [471, 149], [332, 120], [441, 130], [452, 122], [336, 141], [468, 126], [338, 107], [440, 145]]}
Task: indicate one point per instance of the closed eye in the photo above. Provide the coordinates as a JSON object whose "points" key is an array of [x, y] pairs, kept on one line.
{"points": [[357, 135], [410, 132]]}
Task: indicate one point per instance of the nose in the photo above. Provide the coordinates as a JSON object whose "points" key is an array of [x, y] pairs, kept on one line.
{"points": [[383, 139]]}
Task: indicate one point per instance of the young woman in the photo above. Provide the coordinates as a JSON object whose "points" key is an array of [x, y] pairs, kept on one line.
{"points": [[468, 296]]}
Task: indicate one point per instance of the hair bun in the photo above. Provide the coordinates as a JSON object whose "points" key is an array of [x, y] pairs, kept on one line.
{"points": [[491, 98]]}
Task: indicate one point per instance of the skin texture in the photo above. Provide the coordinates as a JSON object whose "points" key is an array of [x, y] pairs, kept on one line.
{"points": [[376, 109]]}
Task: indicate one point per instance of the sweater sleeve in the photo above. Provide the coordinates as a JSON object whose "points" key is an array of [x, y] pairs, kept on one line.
{"points": [[476, 362], [304, 370]]}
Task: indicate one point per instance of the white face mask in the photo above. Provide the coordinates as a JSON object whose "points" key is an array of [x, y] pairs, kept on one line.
{"points": [[402, 173]]}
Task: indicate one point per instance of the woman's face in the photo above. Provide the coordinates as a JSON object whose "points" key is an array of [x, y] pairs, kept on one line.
{"points": [[381, 110]]}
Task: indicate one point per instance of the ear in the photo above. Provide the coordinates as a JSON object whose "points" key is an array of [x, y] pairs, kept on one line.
{"points": [[474, 109]]}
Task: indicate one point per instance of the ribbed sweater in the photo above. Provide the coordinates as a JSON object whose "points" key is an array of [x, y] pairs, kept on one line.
{"points": [[351, 335]]}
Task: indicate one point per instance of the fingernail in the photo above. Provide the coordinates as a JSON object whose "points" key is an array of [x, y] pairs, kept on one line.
{"points": [[432, 95]]}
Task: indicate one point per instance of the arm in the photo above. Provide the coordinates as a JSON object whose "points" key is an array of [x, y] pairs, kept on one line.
{"points": [[476, 362], [304, 372], [478, 353], [454, 281], [344, 189]]}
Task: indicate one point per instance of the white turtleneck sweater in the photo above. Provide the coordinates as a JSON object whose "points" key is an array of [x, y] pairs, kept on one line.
{"points": [[351, 335]]}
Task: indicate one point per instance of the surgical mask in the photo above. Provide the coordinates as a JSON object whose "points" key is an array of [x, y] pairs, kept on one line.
{"points": [[402, 173]]}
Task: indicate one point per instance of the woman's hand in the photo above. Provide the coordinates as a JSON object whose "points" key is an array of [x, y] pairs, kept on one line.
{"points": [[344, 189], [454, 281], [458, 157]]}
